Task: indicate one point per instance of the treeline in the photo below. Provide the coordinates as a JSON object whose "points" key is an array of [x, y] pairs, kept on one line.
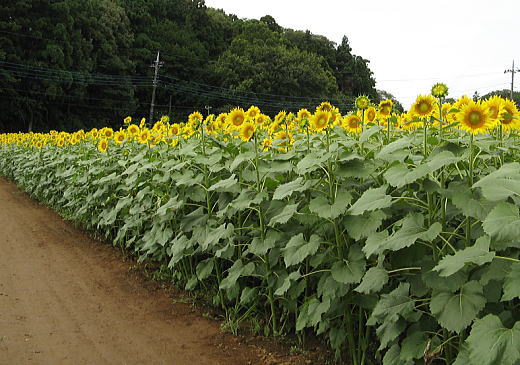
{"points": [[209, 58]]}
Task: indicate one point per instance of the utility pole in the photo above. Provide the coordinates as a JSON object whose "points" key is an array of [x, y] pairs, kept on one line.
{"points": [[512, 70], [207, 107], [170, 106], [155, 65]]}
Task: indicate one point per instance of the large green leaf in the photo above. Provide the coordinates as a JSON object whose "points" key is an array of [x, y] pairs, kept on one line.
{"points": [[373, 281], [236, 271], [512, 283], [412, 229], [228, 185], [298, 249], [477, 254], [468, 201], [501, 184], [361, 226], [287, 189], [287, 212], [393, 305], [388, 152], [372, 199], [170, 205], [321, 207], [351, 270], [455, 311], [503, 222], [311, 162], [490, 343]]}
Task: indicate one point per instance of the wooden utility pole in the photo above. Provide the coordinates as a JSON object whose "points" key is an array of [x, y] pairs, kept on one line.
{"points": [[512, 70], [207, 107], [155, 65], [170, 106]]}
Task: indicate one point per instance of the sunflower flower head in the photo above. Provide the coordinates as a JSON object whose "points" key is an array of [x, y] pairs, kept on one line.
{"points": [[362, 102], [496, 106], [103, 145], [127, 120], [474, 118], [320, 120], [253, 112], [352, 123], [385, 107], [510, 115], [424, 107], [371, 114], [440, 90], [236, 117], [247, 130]]}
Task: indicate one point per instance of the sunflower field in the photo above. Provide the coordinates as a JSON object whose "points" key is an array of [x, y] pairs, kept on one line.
{"points": [[393, 237]]}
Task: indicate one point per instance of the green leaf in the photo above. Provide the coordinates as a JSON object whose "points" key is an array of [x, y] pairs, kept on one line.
{"points": [[466, 200], [477, 254], [412, 229], [373, 281], [227, 185], [244, 156], [321, 207], [501, 184], [311, 162], [172, 204], [287, 189], [392, 357], [503, 222], [237, 270], [367, 133], [392, 305], [205, 268], [361, 226], [490, 343], [286, 284], [413, 346], [455, 311], [512, 283], [371, 199], [350, 271], [297, 249], [388, 154], [286, 214]]}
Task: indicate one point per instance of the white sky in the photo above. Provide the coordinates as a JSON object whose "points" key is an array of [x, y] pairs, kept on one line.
{"points": [[411, 44]]}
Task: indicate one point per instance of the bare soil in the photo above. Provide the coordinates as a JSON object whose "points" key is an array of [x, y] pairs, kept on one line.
{"points": [[66, 298]]}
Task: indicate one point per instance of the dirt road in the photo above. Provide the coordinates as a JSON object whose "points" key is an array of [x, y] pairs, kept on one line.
{"points": [[67, 299]]}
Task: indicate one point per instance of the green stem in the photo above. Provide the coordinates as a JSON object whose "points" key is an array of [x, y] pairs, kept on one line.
{"points": [[470, 181]]}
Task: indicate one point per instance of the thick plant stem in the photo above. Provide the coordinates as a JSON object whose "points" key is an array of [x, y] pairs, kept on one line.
{"points": [[470, 181]]}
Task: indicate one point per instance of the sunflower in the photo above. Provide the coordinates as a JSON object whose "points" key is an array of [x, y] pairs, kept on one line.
{"points": [[108, 132], [371, 114], [174, 129], [252, 112], [461, 102], [385, 107], [279, 118], [236, 117], [320, 120], [362, 102], [94, 132], [262, 119], [474, 118], [266, 143], [195, 117], [144, 136], [352, 123], [133, 130], [60, 142], [496, 106], [143, 123], [324, 106], [247, 130], [423, 107], [119, 137], [439, 90], [102, 145], [165, 119], [509, 117], [127, 120], [303, 114]]}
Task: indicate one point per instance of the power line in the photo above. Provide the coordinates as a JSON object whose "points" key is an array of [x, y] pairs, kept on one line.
{"points": [[512, 70]]}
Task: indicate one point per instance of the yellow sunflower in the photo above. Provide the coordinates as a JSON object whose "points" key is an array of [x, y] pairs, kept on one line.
{"points": [[253, 112], [424, 106], [119, 137], [324, 106], [279, 118], [174, 129], [385, 107], [236, 117], [247, 130], [128, 120], [461, 102], [439, 90], [352, 123], [102, 145], [371, 114], [320, 120], [496, 106], [474, 118], [362, 102], [195, 117], [304, 114], [509, 117], [144, 136], [133, 130]]}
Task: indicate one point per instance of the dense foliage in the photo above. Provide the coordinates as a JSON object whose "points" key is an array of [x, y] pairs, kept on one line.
{"points": [[68, 64], [395, 237]]}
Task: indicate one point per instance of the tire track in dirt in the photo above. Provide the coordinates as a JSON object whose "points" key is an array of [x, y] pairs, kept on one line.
{"points": [[67, 299]]}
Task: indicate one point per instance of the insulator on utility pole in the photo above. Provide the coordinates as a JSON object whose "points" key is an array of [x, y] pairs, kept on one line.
{"points": [[155, 65], [512, 70]]}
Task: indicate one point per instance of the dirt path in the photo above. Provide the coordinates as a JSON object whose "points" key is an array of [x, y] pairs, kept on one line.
{"points": [[67, 299]]}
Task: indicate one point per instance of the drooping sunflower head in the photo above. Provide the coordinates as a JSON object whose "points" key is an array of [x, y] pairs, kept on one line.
{"points": [[496, 106], [143, 123], [424, 106], [102, 145], [253, 112], [320, 120], [510, 115], [280, 117], [439, 90], [474, 118], [362, 102], [236, 117], [247, 130], [324, 106], [127, 120], [165, 119], [385, 107], [371, 114]]}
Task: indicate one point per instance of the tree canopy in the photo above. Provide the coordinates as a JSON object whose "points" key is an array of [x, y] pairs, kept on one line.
{"points": [[68, 64]]}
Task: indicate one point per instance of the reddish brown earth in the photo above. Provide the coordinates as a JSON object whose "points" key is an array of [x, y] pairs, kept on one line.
{"points": [[66, 298]]}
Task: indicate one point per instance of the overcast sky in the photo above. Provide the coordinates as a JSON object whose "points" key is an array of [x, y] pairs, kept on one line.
{"points": [[411, 44]]}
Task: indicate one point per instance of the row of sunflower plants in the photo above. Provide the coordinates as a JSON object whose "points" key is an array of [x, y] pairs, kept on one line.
{"points": [[393, 237]]}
